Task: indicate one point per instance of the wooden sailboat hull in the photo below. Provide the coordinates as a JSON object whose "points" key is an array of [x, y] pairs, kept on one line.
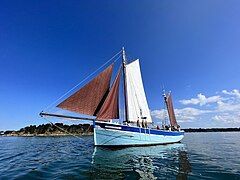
{"points": [[110, 134]]}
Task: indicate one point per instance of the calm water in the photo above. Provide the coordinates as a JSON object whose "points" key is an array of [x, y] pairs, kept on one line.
{"points": [[199, 156]]}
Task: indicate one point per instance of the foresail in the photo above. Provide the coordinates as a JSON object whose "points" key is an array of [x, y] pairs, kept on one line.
{"points": [[171, 113], [110, 108], [89, 99], [136, 98]]}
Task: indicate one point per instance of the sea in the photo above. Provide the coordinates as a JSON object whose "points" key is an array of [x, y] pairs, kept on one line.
{"points": [[211, 155]]}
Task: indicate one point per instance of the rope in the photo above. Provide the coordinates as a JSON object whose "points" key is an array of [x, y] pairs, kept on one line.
{"points": [[117, 58], [87, 129], [83, 80], [62, 129]]}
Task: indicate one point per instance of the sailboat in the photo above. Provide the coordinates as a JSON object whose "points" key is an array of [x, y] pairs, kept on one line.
{"points": [[98, 99]]}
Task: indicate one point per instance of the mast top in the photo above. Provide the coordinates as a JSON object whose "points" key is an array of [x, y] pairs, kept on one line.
{"points": [[123, 56], [164, 93]]}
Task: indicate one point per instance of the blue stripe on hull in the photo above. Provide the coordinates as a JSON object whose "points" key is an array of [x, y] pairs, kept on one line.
{"points": [[107, 134]]}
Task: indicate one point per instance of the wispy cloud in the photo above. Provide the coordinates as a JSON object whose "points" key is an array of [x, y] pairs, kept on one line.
{"points": [[158, 114], [201, 100], [234, 92], [187, 114], [229, 106], [228, 111], [228, 118]]}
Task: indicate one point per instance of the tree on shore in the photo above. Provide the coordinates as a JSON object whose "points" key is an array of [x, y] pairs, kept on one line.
{"points": [[57, 128]]}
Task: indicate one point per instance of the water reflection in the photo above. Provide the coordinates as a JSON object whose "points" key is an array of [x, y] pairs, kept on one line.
{"points": [[166, 161], [184, 165]]}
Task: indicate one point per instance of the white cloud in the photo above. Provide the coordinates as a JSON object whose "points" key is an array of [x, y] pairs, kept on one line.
{"points": [[229, 106], [183, 115], [189, 114], [201, 100], [228, 111], [234, 92], [157, 113], [190, 111], [228, 119]]}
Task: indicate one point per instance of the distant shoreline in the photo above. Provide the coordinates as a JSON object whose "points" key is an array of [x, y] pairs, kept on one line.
{"points": [[191, 130], [45, 135], [59, 129]]}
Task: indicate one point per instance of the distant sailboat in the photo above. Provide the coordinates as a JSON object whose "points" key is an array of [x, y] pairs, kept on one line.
{"points": [[98, 99]]}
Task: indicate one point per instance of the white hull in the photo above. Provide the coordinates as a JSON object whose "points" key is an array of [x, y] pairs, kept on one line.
{"points": [[116, 137]]}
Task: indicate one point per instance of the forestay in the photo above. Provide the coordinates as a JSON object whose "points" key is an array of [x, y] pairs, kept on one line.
{"points": [[136, 98]]}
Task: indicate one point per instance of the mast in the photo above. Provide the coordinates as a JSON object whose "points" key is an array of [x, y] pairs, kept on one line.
{"points": [[164, 96], [125, 83], [164, 122]]}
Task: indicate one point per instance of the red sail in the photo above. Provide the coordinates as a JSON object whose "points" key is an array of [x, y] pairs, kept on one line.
{"points": [[89, 99], [171, 113], [110, 107]]}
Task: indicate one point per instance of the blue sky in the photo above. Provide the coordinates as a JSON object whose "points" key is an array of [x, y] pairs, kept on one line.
{"points": [[192, 47]]}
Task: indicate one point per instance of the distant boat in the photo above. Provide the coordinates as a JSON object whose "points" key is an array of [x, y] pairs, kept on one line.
{"points": [[98, 99]]}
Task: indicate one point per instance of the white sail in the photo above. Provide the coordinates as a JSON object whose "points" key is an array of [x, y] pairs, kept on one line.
{"points": [[136, 98]]}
